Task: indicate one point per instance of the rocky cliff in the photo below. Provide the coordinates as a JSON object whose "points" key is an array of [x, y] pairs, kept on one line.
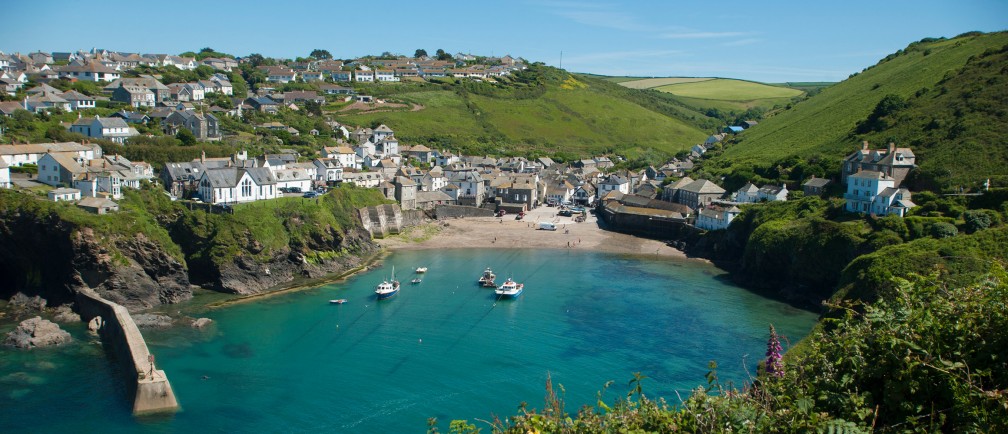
{"points": [[43, 254]]}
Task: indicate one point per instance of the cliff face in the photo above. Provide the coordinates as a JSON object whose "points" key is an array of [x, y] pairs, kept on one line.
{"points": [[248, 275], [50, 257]]}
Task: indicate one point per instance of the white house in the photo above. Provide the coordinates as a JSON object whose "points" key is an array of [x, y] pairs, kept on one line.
{"points": [[715, 217], [5, 179], [69, 194], [59, 168], [749, 193], [92, 71], [328, 170], [235, 185], [384, 75], [367, 76], [297, 178], [771, 193], [613, 183], [874, 192], [363, 179], [114, 129], [345, 155]]}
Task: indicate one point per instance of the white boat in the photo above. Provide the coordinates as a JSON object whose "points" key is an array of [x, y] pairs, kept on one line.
{"points": [[338, 301], [416, 281], [487, 279], [421, 270], [387, 288], [510, 289]]}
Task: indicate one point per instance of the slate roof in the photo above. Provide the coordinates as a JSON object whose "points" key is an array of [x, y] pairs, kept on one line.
{"points": [[703, 186]]}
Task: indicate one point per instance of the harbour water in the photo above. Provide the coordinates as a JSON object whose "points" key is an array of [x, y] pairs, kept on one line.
{"points": [[443, 348]]}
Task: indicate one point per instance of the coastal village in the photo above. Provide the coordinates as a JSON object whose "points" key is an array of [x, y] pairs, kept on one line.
{"points": [[414, 175], [447, 232]]}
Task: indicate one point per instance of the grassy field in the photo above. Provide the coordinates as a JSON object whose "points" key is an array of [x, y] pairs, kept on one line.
{"points": [[824, 124], [651, 83], [728, 90]]}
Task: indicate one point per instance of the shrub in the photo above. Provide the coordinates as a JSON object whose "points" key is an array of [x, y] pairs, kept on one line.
{"points": [[943, 230], [976, 220]]}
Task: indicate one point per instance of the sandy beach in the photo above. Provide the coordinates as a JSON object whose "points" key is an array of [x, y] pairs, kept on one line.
{"points": [[506, 232]]}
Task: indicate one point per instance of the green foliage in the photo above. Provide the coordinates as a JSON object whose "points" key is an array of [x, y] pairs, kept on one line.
{"points": [[943, 230], [532, 113], [186, 137], [826, 124], [887, 106], [320, 54]]}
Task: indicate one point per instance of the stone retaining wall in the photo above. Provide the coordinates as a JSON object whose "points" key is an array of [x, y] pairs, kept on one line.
{"points": [[150, 387], [457, 211]]}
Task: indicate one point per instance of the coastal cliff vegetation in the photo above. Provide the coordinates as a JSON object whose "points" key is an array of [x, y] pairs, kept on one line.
{"points": [[153, 249]]}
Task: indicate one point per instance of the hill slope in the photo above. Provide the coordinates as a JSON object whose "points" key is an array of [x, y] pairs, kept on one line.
{"points": [[542, 111], [826, 124]]}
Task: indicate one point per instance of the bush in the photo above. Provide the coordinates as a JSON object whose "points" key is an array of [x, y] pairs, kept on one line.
{"points": [[976, 220], [943, 230]]}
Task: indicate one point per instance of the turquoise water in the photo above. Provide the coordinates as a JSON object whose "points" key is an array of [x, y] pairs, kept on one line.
{"points": [[444, 348]]}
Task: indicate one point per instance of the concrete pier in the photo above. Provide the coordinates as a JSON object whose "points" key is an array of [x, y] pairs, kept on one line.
{"points": [[149, 385]]}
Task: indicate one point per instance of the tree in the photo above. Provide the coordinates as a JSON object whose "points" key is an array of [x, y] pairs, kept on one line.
{"points": [[207, 50], [320, 54], [256, 59], [442, 55], [186, 137], [420, 52]]}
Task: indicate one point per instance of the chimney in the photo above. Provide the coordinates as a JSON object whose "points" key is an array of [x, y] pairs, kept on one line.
{"points": [[864, 145], [202, 158], [892, 147]]}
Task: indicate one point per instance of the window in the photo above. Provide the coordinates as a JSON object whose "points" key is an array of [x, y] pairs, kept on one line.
{"points": [[246, 187]]}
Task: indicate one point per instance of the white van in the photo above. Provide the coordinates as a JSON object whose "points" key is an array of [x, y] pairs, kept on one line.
{"points": [[547, 226]]}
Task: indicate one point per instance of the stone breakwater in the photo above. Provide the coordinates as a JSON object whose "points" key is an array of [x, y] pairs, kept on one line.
{"points": [[152, 393]]}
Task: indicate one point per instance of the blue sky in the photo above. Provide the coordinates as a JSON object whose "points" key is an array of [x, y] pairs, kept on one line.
{"points": [[770, 41]]}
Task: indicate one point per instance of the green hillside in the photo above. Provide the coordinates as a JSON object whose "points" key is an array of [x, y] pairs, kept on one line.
{"points": [[824, 127], [540, 111], [957, 128]]}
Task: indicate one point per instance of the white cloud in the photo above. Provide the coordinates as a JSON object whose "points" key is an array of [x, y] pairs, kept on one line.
{"points": [[741, 42], [700, 35]]}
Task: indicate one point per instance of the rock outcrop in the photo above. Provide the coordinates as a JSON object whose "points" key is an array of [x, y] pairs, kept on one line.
{"points": [[201, 323], [246, 275], [36, 332], [53, 258], [151, 320]]}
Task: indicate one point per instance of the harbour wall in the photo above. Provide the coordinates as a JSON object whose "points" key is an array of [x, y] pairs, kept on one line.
{"points": [[650, 226], [152, 393], [384, 220], [444, 212]]}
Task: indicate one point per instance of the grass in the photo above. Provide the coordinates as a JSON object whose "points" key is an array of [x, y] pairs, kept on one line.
{"points": [[823, 124], [651, 83], [728, 89], [575, 115]]}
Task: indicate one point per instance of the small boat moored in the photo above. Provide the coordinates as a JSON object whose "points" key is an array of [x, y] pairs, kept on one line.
{"points": [[421, 270], [416, 280], [338, 301], [387, 288], [510, 289], [487, 279]]}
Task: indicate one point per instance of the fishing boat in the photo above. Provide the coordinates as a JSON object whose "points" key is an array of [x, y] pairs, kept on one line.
{"points": [[421, 270], [487, 279], [338, 301], [510, 289], [387, 288], [416, 281]]}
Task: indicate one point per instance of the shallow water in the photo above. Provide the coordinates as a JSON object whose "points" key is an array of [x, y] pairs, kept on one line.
{"points": [[444, 348]]}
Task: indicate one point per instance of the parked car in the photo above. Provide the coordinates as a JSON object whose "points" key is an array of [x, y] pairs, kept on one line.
{"points": [[565, 213], [310, 195]]}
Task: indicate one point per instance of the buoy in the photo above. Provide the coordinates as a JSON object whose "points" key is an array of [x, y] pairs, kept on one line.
{"points": [[421, 340]]}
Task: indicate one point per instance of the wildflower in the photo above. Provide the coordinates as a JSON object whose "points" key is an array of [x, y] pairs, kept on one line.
{"points": [[773, 355]]}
